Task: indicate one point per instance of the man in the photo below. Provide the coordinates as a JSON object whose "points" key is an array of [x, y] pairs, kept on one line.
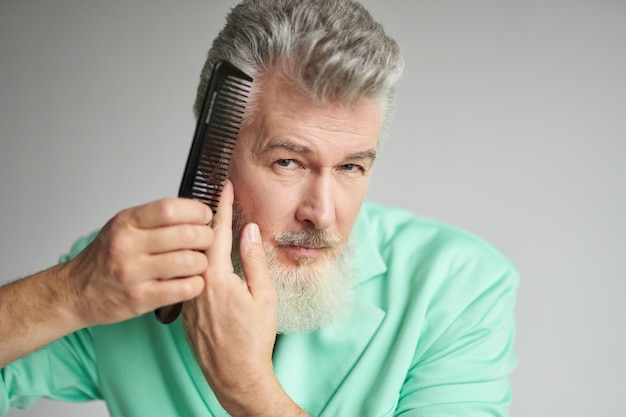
{"points": [[377, 312]]}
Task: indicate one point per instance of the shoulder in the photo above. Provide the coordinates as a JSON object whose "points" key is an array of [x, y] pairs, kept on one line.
{"points": [[425, 255], [400, 231]]}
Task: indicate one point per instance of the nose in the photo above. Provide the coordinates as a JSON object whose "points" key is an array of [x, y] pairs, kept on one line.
{"points": [[317, 203]]}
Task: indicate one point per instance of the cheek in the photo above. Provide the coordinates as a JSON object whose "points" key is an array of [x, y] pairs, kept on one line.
{"points": [[265, 203]]}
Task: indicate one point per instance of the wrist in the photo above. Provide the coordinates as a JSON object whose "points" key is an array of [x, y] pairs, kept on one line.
{"points": [[70, 292], [266, 399]]}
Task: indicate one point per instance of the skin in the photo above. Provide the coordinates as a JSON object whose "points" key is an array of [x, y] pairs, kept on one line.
{"points": [[143, 258], [298, 165], [302, 165]]}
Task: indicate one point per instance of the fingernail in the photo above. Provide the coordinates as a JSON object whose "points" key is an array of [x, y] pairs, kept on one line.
{"points": [[208, 214], [253, 233]]}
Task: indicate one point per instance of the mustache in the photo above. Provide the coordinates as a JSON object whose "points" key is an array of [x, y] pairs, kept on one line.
{"points": [[312, 238]]}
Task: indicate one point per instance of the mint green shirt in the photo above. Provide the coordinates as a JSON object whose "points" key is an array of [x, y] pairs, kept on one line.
{"points": [[431, 335]]}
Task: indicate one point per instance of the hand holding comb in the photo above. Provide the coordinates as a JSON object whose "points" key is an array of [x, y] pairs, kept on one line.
{"points": [[213, 145]]}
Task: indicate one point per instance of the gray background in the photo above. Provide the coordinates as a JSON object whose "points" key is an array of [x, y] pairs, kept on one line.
{"points": [[511, 123]]}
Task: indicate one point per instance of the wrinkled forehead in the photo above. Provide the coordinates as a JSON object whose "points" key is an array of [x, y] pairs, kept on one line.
{"points": [[276, 94]]}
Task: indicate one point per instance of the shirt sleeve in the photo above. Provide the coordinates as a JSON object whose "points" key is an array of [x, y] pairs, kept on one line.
{"points": [[464, 359], [63, 370]]}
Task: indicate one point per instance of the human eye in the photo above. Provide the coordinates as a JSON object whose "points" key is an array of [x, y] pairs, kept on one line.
{"points": [[286, 163], [352, 168]]}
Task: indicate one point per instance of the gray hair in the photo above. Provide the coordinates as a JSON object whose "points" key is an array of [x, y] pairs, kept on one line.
{"points": [[333, 49]]}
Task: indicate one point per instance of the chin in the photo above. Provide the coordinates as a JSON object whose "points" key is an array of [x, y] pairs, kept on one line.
{"points": [[312, 292]]}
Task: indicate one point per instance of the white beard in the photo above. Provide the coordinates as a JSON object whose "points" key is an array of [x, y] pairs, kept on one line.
{"points": [[310, 295]]}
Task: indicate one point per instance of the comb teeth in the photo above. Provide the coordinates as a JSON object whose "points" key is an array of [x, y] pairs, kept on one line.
{"points": [[213, 145], [216, 134]]}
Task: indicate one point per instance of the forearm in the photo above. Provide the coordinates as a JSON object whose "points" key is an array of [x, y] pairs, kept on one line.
{"points": [[35, 311]]}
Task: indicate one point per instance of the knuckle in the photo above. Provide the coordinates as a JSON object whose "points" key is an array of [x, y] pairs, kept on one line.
{"points": [[194, 262], [256, 254], [187, 234], [120, 220], [166, 210], [123, 271], [202, 262], [136, 297], [184, 260], [119, 245], [189, 289]]}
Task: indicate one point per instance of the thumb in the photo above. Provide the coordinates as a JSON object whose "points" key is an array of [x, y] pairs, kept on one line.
{"points": [[254, 262]]}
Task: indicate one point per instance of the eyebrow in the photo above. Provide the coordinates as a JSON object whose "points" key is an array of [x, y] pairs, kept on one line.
{"points": [[285, 144]]}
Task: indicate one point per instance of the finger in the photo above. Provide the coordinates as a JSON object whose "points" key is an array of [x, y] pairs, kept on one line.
{"points": [[145, 268], [222, 226], [177, 290], [254, 264], [170, 211], [177, 237], [177, 264]]}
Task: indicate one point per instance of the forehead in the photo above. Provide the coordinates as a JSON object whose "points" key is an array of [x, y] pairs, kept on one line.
{"points": [[281, 109]]}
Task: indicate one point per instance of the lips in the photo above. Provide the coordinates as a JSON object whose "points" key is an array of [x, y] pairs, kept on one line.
{"points": [[305, 250], [307, 246]]}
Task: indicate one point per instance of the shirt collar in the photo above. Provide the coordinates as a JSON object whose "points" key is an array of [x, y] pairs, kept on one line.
{"points": [[367, 238]]}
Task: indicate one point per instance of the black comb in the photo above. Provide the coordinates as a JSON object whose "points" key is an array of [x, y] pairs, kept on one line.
{"points": [[213, 145]]}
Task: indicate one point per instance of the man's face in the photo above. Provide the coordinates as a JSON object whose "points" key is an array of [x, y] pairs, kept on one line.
{"points": [[302, 166]]}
